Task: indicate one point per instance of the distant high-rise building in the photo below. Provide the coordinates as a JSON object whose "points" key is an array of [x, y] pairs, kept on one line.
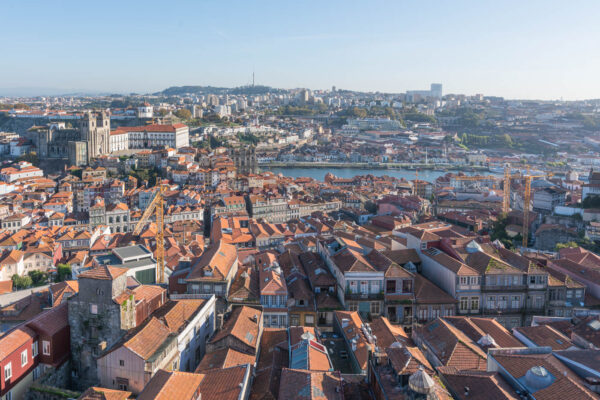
{"points": [[436, 90]]}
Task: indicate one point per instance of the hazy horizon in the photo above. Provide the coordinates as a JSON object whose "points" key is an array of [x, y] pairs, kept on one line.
{"points": [[542, 50]]}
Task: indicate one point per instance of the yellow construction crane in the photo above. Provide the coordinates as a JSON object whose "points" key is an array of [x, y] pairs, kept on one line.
{"points": [[526, 197], [157, 205]]}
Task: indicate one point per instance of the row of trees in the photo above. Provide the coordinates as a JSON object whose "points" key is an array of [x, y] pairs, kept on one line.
{"points": [[469, 139], [39, 278]]}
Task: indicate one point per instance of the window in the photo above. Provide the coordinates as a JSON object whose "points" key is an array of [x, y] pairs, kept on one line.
{"points": [[34, 349], [516, 302], [435, 313], [364, 287], [46, 348], [374, 287], [294, 319], [464, 303], [93, 309], [423, 245], [9, 396], [515, 280], [7, 371], [407, 286], [491, 280], [474, 280], [390, 286], [569, 294], [579, 293], [121, 363], [375, 307], [309, 319], [464, 280], [23, 358], [474, 303], [491, 302], [502, 302]]}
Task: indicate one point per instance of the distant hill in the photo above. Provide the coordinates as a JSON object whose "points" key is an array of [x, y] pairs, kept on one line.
{"points": [[198, 90]]}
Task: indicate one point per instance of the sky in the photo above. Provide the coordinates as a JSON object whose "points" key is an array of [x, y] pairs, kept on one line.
{"points": [[517, 49]]}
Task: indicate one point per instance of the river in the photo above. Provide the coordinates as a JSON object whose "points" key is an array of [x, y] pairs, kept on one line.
{"points": [[319, 173]]}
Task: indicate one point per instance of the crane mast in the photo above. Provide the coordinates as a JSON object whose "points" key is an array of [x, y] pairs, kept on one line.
{"points": [[156, 206]]}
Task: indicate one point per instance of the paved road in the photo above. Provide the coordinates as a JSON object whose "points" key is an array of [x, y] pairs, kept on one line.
{"points": [[9, 298]]}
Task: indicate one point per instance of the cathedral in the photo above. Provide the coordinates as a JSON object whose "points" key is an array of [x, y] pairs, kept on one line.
{"points": [[244, 160], [80, 145]]}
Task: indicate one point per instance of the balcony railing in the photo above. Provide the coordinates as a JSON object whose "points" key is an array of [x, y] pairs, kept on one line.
{"points": [[505, 310], [504, 288], [364, 296]]}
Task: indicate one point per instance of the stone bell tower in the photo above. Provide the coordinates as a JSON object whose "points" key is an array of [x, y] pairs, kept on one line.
{"points": [[95, 131]]}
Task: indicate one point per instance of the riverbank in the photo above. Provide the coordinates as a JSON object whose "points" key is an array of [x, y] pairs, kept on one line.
{"points": [[403, 166], [319, 173]]}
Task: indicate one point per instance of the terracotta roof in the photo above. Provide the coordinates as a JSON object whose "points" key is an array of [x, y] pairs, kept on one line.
{"points": [[589, 358], [103, 272], [386, 333], [61, 291], [544, 335], [172, 385], [309, 385], [51, 321], [273, 357], [98, 393], [475, 328], [6, 286], [225, 384], [224, 358], [403, 256], [147, 340], [451, 346], [407, 360], [14, 339], [177, 313], [566, 385], [481, 385], [215, 263], [427, 292], [242, 325], [353, 330], [589, 330], [450, 263]]}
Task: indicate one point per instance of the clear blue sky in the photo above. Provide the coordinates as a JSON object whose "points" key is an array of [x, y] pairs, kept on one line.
{"points": [[517, 49]]}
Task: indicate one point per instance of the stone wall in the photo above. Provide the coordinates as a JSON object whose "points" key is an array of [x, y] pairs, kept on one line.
{"points": [[57, 377]]}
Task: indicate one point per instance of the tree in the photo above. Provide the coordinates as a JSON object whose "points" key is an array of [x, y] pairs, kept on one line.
{"points": [[38, 278], [31, 157], [183, 113], [162, 112], [566, 245], [21, 282], [371, 207], [64, 272]]}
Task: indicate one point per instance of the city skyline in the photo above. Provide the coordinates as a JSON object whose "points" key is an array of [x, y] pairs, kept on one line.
{"points": [[537, 50]]}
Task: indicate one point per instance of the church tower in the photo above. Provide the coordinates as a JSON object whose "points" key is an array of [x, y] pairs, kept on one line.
{"points": [[95, 131]]}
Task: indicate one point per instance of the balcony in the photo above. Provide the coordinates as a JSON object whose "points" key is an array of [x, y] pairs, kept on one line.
{"points": [[364, 296], [504, 288], [501, 311]]}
